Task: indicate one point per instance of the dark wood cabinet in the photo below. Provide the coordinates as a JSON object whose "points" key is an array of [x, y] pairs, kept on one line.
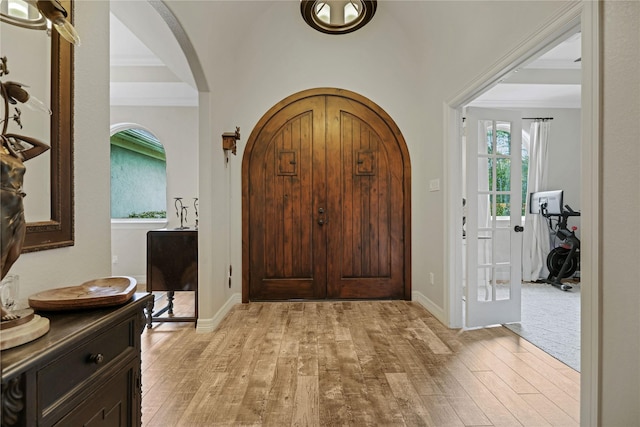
{"points": [[84, 372], [172, 265], [111, 405]]}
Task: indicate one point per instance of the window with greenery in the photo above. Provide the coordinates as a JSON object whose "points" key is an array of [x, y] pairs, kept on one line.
{"points": [[525, 177], [138, 175], [503, 172]]}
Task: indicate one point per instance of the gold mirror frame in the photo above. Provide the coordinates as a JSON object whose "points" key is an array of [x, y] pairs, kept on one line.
{"points": [[58, 231]]}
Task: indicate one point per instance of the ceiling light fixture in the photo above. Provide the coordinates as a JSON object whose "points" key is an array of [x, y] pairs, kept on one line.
{"points": [[337, 16]]}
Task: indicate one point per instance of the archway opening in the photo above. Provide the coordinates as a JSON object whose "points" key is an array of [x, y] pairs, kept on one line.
{"points": [[138, 175]]}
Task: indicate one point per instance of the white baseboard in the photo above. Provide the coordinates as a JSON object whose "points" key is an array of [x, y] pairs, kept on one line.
{"points": [[431, 307], [209, 325]]}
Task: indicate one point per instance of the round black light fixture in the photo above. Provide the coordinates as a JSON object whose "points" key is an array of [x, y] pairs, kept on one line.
{"points": [[337, 16]]}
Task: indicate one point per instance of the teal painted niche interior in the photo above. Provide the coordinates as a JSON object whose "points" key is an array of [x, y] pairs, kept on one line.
{"points": [[138, 175]]}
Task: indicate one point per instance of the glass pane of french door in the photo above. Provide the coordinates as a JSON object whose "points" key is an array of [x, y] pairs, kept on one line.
{"points": [[494, 194]]}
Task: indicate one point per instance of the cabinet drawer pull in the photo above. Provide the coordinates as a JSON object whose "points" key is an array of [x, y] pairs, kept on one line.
{"points": [[96, 358]]}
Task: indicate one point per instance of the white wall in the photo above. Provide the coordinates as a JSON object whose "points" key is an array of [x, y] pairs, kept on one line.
{"points": [[129, 247], [620, 237]]}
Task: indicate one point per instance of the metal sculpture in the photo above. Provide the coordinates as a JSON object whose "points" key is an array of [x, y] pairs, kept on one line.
{"points": [[14, 151]]}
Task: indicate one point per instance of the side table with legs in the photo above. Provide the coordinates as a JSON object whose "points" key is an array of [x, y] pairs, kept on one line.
{"points": [[172, 266]]}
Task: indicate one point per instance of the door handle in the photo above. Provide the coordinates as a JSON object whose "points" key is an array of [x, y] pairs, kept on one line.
{"points": [[322, 220], [518, 229]]}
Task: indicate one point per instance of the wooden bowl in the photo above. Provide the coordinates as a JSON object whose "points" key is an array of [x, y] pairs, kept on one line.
{"points": [[103, 292]]}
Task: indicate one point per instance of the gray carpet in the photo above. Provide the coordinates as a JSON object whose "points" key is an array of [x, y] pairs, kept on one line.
{"points": [[551, 321]]}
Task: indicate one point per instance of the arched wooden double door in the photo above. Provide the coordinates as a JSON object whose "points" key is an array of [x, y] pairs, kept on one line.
{"points": [[326, 201]]}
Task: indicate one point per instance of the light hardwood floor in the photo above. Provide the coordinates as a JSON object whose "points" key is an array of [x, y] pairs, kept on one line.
{"points": [[382, 363]]}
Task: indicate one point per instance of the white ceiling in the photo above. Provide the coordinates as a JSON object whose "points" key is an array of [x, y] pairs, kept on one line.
{"points": [[550, 81], [149, 68]]}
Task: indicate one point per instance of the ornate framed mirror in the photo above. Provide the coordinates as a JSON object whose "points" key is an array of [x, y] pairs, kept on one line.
{"points": [[48, 184]]}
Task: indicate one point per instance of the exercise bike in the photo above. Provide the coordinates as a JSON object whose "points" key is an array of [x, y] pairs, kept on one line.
{"points": [[564, 260]]}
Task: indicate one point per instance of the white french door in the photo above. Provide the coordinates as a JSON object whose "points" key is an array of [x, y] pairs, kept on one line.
{"points": [[494, 216]]}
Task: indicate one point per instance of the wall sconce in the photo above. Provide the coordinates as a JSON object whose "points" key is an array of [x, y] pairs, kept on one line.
{"points": [[22, 13], [229, 142], [54, 12]]}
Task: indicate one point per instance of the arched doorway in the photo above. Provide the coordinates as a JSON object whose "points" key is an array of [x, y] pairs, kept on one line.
{"points": [[138, 188], [326, 201]]}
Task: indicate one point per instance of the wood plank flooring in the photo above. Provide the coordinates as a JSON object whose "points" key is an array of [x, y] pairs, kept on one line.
{"points": [[382, 363]]}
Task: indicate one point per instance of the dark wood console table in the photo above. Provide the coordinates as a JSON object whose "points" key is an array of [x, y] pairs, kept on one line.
{"points": [[84, 371], [172, 265]]}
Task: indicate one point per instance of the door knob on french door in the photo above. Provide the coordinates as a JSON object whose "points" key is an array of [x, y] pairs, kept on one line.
{"points": [[518, 229], [321, 221]]}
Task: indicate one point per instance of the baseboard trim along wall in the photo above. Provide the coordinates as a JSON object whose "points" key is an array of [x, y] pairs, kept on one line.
{"points": [[209, 325], [431, 307]]}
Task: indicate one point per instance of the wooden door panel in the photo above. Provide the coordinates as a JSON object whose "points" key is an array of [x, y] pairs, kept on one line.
{"points": [[365, 195], [368, 258], [287, 255], [288, 198]]}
